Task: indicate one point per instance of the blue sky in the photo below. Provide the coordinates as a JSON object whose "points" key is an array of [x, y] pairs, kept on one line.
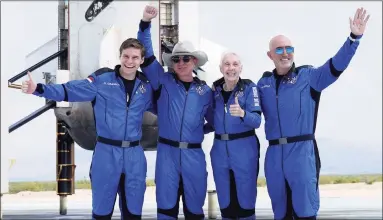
{"points": [[349, 126]]}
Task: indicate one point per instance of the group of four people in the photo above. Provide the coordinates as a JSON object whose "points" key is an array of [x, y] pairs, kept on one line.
{"points": [[288, 97]]}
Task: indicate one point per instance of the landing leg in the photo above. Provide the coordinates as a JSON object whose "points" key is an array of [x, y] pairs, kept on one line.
{"points": [[212, 204], [1, 207], [63, 205]]}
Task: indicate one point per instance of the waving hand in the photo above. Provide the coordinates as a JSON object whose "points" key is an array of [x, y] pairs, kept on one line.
{"points": [[358, 24]]}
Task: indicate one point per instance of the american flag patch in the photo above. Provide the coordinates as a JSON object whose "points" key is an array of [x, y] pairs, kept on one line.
{"points": [[90, 79]]}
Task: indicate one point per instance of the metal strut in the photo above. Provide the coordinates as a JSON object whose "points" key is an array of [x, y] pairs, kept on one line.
{"points": [[49, 103], [65, 160], [11, 81], [38, 112]]}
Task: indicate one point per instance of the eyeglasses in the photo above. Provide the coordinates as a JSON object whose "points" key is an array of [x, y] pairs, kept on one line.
{"points": [[280, 50], [177, 59]]}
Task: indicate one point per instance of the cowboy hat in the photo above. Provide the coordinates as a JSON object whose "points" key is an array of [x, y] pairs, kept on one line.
{"points": [[185, 49]]}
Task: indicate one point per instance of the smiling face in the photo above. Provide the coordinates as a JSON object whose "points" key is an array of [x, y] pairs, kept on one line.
{"points": [[184, 65], [132, 55], [281, 52], [131, 60], [231, 67]]}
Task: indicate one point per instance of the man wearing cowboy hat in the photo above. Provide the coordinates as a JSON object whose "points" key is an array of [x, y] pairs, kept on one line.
{"points": [[183, 101]]}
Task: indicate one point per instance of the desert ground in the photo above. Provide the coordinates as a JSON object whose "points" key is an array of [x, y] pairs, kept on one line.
{"points": [[352, 190]]}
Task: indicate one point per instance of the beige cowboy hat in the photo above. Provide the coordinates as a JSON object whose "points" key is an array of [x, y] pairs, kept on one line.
{"points": [[185, 48]]}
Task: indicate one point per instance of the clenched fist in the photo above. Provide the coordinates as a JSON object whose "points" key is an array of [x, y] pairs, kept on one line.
{"points": [[28, 86], [150, 12]]}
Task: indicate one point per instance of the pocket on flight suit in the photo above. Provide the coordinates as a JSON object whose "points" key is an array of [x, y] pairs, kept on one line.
{"points": [[303, 95], [109, 115], [200, 116]]}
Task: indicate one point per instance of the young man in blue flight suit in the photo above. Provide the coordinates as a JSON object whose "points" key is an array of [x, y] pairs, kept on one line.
{"points": [[183, 101], [119, 97], [289, 99], [235, 152]]}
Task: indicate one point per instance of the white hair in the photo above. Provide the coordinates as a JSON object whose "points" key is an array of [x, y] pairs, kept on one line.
{"points": [[227, 53]]}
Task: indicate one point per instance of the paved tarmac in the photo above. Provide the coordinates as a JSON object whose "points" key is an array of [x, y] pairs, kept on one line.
{"points": [[355, 201], [151, 214]]}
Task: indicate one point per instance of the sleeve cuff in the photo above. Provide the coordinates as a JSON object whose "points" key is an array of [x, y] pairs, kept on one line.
{"points": [[242, 118], [39, 89], [144, 25], [354, 37]]}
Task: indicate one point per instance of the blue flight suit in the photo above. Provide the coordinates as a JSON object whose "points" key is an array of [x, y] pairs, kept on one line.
{"points": [[290, 106], [235, 151], [180, 163], [118, 152]]}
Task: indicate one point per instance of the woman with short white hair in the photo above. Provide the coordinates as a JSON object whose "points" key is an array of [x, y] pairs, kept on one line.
{"points": [[235, 152]]}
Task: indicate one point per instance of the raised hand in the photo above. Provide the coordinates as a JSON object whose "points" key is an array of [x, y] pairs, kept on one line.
{"points": [[236, 110], [358, 24], [150, 12], [28, 86]]}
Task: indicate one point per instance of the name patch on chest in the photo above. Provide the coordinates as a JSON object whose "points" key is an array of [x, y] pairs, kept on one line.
{"points": [[111, 84]]}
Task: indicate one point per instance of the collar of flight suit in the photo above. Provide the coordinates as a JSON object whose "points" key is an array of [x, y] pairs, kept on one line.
{"points": [[140, 75]]}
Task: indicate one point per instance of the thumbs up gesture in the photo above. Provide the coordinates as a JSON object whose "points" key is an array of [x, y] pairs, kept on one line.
{"points": [[28, 86], [236, 110]]}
